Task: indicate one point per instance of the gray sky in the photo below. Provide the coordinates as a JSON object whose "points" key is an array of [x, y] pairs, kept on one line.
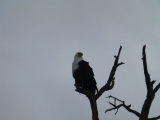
{"points": [[38, 40]]}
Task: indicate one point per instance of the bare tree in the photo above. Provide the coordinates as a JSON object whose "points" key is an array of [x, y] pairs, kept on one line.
{"points": [[108, 86], [149, 99]]}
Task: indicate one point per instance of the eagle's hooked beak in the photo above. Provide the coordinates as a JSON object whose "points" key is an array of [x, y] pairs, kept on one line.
{"points": [[80, 54]]}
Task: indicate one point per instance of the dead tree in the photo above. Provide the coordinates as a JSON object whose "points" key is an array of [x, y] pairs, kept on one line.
{"points": [[149, 98], [108, 86]]}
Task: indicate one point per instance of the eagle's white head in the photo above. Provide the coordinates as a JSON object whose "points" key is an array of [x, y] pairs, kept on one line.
{"points": [[78, 57]]}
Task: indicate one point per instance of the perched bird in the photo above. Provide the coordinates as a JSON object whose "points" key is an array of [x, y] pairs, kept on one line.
{"points": [[83, 74]]}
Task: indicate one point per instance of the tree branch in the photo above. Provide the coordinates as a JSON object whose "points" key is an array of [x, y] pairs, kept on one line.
{"points": [[150, 95], [92, 100], [154, 118], [147, 76], [110, 83], [115, 107], [93, 103], [127, 107], [156, 88]]}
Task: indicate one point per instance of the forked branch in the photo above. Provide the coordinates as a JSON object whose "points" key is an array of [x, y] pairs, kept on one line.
{"points": [[150, 95], [110, 83], [127, 107], [150, 91]]}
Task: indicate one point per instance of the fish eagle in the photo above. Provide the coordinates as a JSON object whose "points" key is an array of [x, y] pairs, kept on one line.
{"points": [[83, 74]]}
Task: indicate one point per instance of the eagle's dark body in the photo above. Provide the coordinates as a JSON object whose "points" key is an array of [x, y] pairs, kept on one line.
{"points": [[84, 76]]}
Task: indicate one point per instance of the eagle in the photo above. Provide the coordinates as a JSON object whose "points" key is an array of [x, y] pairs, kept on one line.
{"points": [[83, 74]]}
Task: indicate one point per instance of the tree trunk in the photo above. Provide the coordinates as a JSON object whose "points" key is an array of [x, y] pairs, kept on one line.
{"points": [[94, 109], [146, 107]]}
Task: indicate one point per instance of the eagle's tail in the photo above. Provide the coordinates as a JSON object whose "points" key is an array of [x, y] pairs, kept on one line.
{"points": [[96, 89]]}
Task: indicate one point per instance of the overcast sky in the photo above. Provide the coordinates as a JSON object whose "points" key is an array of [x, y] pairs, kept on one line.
{"points": [[38, 41]]}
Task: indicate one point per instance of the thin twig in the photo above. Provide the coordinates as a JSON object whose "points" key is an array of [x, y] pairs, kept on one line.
{"points": [[127, 107]]}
